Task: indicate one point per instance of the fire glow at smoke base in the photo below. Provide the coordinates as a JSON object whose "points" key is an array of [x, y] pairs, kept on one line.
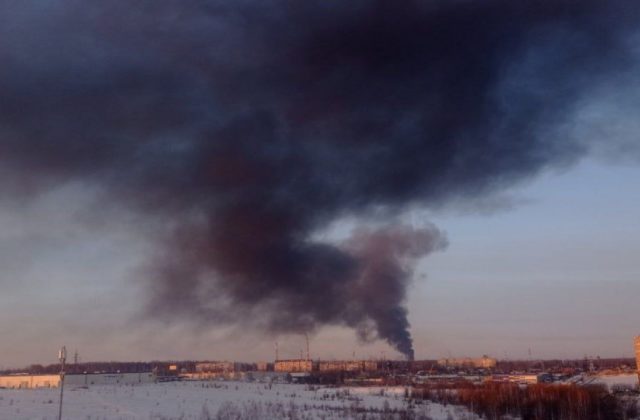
{"points": [[250, 125]]}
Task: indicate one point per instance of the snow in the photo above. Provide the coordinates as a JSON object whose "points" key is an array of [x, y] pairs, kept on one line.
{"points": [[204, 400], [628, 380]]}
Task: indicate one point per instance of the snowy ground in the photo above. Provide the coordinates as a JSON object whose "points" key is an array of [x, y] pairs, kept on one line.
{"points": [[219, 400], [629, 380]]}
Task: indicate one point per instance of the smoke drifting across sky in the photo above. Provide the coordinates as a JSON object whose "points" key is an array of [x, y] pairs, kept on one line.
{"points": [[249, 126]]}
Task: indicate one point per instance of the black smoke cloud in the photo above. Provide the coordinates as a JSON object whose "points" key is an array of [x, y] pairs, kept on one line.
{"points": [[249, 126]]}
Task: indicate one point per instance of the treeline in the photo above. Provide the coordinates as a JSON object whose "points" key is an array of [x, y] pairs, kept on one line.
{"points": [[493, 401], [507, 366], [106, 367]]}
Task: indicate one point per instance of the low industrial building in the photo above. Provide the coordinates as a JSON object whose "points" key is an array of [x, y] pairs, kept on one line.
{"points": [[29, 381], [216, 367], [226, 370], [484, 362], [82, 379], [348, 366], [294, 365]]}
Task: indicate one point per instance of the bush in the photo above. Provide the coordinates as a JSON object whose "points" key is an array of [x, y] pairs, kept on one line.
{"points": [[533, 402]]}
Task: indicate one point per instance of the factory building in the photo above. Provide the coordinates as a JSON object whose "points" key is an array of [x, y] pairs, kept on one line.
{"points": [[294, 365], [348, 366], [81, 379], [215, 367], [484, 362], [29, 381], [213, 370]]}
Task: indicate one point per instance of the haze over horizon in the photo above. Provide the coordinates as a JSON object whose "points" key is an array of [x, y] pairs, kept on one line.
{"points": [[198, 179]]}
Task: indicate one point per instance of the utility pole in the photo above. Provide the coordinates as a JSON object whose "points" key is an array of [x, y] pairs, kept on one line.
{"points": [[62, 356]]}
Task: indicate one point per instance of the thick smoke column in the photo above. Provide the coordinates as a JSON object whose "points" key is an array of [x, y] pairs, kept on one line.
{"points": [[249, 126]]}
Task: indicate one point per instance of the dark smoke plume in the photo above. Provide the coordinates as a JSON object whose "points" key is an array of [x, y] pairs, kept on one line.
{"points": [[249, 126]]}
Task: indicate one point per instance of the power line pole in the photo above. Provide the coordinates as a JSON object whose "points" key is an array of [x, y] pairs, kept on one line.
{"points": [[62, 356]]}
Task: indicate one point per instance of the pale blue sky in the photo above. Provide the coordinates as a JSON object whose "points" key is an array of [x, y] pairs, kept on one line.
{"points": [[557, 274]]}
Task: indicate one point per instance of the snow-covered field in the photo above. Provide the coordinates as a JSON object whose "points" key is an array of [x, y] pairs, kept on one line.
{"points": [[219, 400]]}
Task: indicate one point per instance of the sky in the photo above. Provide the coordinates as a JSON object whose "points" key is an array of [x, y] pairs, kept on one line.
{"points": [[557, 275], [203, 178], [536, 276]]}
